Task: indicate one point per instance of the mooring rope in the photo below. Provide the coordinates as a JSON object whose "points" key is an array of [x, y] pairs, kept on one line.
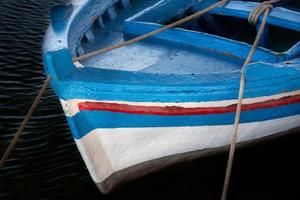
{"points": [[265, 8], [148, 35], [261, 8], [25, 122]]}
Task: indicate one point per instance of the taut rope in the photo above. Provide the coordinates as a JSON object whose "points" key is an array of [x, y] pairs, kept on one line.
{"points": [[24, 123], [265, 8]]}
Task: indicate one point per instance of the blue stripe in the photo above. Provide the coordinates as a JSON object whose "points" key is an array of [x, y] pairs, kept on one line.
{"points": [[86, 121]]}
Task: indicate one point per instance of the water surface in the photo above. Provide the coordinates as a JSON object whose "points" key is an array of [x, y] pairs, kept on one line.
{"points": [[47, 165]]}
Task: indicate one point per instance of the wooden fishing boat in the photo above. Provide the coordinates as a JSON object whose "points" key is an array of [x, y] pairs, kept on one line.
{"points": [[173, 96]]}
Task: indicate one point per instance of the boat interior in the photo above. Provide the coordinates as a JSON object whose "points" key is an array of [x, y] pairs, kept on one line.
{"points": [[218, 42]]}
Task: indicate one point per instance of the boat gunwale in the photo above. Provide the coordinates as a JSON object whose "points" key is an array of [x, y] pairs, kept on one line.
{"points": [[69, 83]]}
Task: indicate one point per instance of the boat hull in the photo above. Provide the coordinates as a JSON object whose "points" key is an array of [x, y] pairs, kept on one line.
{"points": [[171, 97], [114, 156], [122, 140]]}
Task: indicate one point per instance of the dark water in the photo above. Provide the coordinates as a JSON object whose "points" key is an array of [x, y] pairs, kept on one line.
{"points": [[47, 165]]}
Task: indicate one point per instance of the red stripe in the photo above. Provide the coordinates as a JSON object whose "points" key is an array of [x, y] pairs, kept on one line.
{"points": [[176, 110]]}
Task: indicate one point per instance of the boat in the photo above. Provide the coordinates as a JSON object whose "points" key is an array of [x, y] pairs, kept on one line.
{"points": [[171, 97]]}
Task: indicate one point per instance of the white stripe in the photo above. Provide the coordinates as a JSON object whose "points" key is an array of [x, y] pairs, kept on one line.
{"points": [[73, 108]]}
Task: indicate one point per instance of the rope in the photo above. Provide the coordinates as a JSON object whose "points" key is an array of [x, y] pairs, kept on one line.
{"points": [[148, 35], [265, 8], [261, 8], [24, 123]]}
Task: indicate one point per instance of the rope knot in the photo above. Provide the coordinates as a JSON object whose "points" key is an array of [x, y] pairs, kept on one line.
{"points": [[261, 8]]}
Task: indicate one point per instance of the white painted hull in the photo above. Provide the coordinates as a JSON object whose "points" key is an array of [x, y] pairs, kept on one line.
{"points": [[109, 151]]}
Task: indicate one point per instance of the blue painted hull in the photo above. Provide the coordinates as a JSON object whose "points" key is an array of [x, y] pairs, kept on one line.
{"points": [[184, 80]]}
